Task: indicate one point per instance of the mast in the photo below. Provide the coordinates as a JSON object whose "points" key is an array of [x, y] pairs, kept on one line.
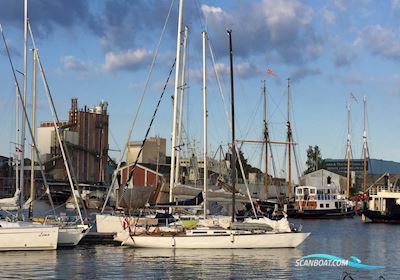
{"points": [[17, 149], [233, 161], [32, 196], [173, 142], [348, 152], [205, 142], [365, 146], [289, 142], [266, 137], [22, 180], [181, 99]]}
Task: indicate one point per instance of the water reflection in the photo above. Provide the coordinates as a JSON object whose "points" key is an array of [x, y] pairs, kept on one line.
{"points": [[374, 244], [27, 265]]}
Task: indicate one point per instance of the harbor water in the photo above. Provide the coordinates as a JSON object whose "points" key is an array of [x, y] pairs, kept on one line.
{"points": [[373, 244]]}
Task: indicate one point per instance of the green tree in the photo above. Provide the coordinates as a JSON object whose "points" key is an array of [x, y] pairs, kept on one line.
{"points": [[246, 166], [314, 160]]}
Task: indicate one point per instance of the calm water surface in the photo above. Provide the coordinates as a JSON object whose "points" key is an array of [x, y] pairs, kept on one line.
{"points": [[374, 244]]}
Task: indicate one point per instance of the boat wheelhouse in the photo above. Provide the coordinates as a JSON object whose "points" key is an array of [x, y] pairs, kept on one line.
{"points": [[321, 202], [384, 203]]}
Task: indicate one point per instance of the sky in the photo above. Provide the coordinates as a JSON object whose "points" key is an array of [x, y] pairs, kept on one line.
{"points": [[102, 50]]}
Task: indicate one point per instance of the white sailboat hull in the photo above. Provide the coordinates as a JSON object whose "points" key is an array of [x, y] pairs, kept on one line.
{"points": [[70, 236], [28, 238], [109, 223], [240, 241]]}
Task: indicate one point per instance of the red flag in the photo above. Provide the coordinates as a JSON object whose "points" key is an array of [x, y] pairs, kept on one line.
{"points": [[271, 73], [18, 149]]}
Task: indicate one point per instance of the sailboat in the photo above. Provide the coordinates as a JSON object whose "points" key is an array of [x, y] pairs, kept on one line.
{"points": [[70, 232], [383, 200], [248, 234], [18, 235]]}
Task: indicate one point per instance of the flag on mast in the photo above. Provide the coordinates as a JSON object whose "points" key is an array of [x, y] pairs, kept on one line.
{"points": [[18, 149], [271, 73]]}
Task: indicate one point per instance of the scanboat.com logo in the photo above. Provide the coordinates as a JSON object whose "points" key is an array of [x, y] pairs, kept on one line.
{"points": [[330, 260]]}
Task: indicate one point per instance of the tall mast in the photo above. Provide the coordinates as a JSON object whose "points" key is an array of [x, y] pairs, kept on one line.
{"points": [[266, 137], [173, 142], [289, 142], [24, 100], [181, 99], [348, 152], [17, 148], [205, 141], [32, 196], [365, 146], [233, 162]]}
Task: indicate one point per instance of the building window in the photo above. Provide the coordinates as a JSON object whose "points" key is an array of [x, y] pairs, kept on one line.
{"points": [[321, 205]]}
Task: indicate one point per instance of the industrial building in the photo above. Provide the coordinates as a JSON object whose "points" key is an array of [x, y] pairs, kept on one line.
{"points": [[85, 135], [154, 151]]}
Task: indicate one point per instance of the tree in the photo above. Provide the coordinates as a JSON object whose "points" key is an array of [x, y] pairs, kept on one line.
{"points": [[314, 160], [246, 166]]}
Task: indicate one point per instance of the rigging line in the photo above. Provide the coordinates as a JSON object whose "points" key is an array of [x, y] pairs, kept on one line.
{"points": [[63, 147], [297, 157], [221, 92], [26, 116], [114, 140], [272, 160], [296, 162], [278, 105], [151, 122], [251, 119], [211, 48], [134, 116]]}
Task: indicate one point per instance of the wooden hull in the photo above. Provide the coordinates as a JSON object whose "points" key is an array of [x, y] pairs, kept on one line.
{"points": [[28, 238], [235, 241]]}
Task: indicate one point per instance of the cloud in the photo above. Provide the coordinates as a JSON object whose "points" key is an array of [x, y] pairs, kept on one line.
{"points": [[14, 51], [281, 30], [128, 24], [302, 73], [340, 4], [71, 63], [380, 41], [328, 16], [45, 15], [130, 60], [395, 4], [352, 78], [345, 54], [244, 70]]}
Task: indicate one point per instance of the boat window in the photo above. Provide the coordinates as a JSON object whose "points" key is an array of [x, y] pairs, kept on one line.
{"points": [[328, 180], [299, 191], [328, 191], [312, 191], [334, 197], [321, 205], [327, 205]]}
